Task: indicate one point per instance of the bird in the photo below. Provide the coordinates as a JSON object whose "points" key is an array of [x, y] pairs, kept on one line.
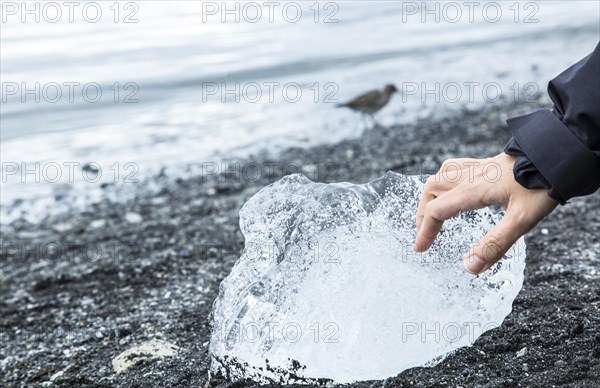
{"points": [[370, 102]]}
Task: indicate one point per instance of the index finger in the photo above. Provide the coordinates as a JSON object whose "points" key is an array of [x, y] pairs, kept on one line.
{"points": [[425, 199], [439, 210]]}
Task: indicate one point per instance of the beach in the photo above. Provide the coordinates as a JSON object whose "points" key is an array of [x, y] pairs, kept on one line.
{"points": [[84, 285]]}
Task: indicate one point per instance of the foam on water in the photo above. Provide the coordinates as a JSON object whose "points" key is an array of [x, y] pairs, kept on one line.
{"points": [[328, 285]]}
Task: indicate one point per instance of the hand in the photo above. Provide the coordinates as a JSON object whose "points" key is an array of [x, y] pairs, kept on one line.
{"points": [[469, 184]]}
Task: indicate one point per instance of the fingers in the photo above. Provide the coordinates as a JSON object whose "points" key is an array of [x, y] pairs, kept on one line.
{"points": [[495, 244], [451, 174], [426, 235], [425, 199], [439, 210], [463, 185]]}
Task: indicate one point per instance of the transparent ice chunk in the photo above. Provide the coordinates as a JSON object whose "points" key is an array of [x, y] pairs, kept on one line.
{"points": [[329, 287]]}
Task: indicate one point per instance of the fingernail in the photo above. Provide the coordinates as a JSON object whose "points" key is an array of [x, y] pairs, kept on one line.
{"points": [[474, 265]]}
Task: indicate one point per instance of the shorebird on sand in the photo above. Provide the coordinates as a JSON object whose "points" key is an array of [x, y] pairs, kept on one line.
{"points": [[371, 102]]}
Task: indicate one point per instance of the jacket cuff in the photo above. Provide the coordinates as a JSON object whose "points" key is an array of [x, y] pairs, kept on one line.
{"points": [[526, 174], [562, 159]]}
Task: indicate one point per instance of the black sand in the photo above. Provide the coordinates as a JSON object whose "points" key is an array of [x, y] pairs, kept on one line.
{"points": [[63, 320]]}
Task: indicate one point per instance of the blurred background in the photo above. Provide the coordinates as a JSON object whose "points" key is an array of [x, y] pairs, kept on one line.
{"points": [[136, 88]]}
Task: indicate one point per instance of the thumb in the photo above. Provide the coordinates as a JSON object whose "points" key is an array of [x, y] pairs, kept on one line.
{"points": [[494, 244]]}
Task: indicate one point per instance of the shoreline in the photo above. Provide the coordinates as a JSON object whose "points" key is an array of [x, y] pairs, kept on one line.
{"points": [[81, 287]]}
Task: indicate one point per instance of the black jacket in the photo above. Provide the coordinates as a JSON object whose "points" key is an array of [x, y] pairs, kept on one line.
{"points": [[560, 149]]}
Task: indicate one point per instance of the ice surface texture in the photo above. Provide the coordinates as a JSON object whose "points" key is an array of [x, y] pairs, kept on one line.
{"points": [[328, 286]]}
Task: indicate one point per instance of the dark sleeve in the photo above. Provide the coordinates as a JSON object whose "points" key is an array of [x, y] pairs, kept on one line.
{"points": [[560, 149]]}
